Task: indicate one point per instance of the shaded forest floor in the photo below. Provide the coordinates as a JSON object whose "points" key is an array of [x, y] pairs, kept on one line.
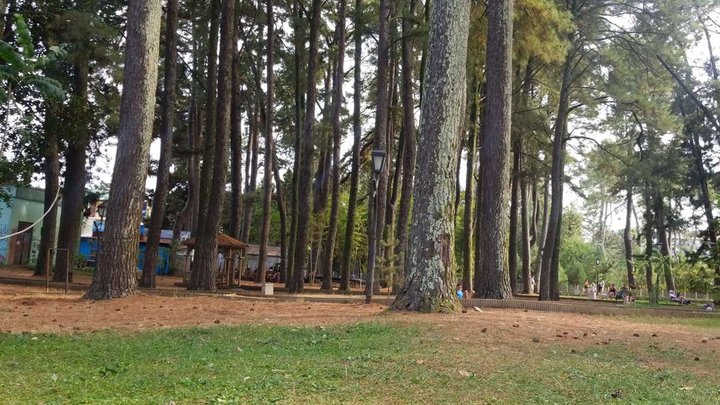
{"points": [[157, 349]]}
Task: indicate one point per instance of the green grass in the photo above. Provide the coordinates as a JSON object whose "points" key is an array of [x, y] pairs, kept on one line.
{"points": [[364, 363], [709, 322]]}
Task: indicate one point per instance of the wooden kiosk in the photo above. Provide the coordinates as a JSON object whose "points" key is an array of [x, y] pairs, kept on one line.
{"points": [[231, 253]]}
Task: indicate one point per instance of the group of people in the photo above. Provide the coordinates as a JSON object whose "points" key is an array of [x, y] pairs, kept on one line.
{"points": [[593, 290]]}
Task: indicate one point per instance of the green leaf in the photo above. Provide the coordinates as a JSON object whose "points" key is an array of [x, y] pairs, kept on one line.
{"points": [[11, 57], [50, 88], [3, 95], [24, 39]]}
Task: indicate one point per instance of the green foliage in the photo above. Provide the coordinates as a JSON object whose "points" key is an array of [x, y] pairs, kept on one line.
{"points": [[21, 67], [693, 277]]}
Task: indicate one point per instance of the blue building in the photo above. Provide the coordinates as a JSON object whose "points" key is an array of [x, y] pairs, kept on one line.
{"points": [[25, 207]]}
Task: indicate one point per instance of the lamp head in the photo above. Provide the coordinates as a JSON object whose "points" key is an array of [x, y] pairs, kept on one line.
{"points": [[101, 210], [378, 160]]}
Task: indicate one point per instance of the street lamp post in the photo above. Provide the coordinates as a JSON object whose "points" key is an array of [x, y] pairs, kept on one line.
{"points": [[378, 161], [597, 275]]}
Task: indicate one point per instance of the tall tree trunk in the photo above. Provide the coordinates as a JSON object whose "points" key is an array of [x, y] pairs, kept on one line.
{"points": [[283, 219], [694, 142], [269, 150], [514, 202], [542, 236], [469, 180], [534, 213], [477, 247], [661, 228], [116, 274], [251, 174], [357, 140], [51, 168], [494, 281], [524, 215], [166, 134], [337, 139], [236, 184], [205, 260], [75, 177], [299, 40], [648, 233], [186, 218], [409, 136], [377, 213], [430, 263], [306, 156], [392, 275], [549, 280], [320, 186], [627, 238], [210, 117]]}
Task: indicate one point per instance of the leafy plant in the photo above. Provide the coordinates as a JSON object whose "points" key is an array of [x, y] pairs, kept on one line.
{"points": [[22, 66]]}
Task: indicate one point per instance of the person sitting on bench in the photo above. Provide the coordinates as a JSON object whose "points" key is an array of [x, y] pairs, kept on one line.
{"points": [[622, 294], [675, 297], [612, 291]]}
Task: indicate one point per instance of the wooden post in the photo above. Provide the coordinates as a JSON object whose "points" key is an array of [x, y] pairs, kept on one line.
{"points": [[67, 269], [47, 271]]}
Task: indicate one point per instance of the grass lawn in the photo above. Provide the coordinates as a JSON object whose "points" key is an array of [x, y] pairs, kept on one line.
{"points": [[369, 362]]}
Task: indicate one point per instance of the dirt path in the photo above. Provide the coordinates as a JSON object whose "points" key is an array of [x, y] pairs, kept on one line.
{"points": [[22, 309]]}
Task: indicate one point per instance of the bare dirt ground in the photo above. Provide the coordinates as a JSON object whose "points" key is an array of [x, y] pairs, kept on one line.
{"points": [[25, 309]]}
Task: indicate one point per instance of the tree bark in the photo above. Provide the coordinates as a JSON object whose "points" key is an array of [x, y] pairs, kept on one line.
{"points": [[648, 233], [524, 215], [236, 150], [337, 139], [51, 168], [549, 280], [187, 217], [306, 156], [166, 142], [627, 238], [322, 180], [661, 228], [75, 177], [478, 257], [430, 262], [542, 235], [409, 136], [357, 140], [377, 213], [210, 117], [252, 169], [514, 202], [299, 41], [283, 219], [494, 281], [205, 261], [694, 143], [116, 275], [269, 150]]}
